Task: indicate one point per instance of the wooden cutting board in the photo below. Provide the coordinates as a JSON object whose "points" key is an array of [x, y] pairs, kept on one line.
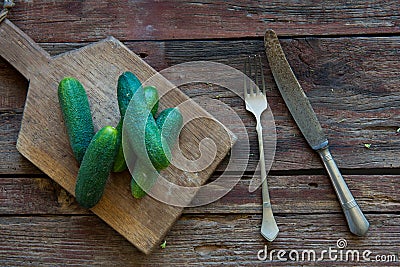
{"points": [[43, 139]]}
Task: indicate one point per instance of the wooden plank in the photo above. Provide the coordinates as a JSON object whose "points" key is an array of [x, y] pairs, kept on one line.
{"points": [[36, 196], [11, 161], [13, 87], [290, 194], [309, 194], [72, 21], [44, 141], [206, 240], [356, 71]]}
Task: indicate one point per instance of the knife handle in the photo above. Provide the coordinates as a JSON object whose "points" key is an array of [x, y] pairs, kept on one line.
{"points": [[356, 220]]}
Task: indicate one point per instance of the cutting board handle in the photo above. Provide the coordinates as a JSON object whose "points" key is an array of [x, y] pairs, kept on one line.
{"points": [[20, 50]]}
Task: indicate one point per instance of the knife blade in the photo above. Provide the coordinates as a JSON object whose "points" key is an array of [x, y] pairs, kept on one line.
{"points": [[302, 112]]}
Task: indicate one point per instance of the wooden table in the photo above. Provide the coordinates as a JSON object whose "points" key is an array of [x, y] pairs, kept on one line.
{"points": [[345, 54]]}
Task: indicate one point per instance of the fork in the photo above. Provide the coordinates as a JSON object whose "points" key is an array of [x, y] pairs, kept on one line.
{"points": [[256, 103]]}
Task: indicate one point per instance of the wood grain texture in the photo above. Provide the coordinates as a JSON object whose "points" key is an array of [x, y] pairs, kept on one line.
{"points": [[201, 240], [13, 88], [353, 85], [21, 52], [43, 140], [297, 194], [12, 162], [352, 82], [75, 21]]}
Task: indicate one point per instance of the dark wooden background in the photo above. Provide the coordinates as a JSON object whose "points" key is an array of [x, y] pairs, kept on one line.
{"points": [[346, 55]]}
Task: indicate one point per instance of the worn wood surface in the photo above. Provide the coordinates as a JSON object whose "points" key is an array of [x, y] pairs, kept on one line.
{"points": [[169, 19], [345, 55], [201, 240], [40, 195]]}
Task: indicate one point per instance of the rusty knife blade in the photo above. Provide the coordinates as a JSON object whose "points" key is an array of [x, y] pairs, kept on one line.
{"points": [[293, 94]]}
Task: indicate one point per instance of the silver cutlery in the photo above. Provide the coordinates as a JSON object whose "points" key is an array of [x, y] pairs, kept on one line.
{"points": [[303, 113], [256, 103]]}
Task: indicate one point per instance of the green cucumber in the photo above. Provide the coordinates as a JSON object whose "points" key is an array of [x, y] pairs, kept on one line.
{"points": [[96, 167], [143, 133], [170, 123], [147, 175], [119, 161], [127, 86], [151, 98], [77, 116]]}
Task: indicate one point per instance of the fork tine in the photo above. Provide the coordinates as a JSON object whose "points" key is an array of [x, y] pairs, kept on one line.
{"points": [[244, 79], [256, 91], [254, 71], [255, 76], [262, 75], [251, 89], [247, 72]]}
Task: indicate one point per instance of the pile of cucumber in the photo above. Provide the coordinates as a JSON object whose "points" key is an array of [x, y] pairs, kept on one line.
{"points": [[151, 137]]}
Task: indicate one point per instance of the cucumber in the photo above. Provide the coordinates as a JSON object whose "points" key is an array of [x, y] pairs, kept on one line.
{"points": [[96, 167], [127, 86], [143, 133], [119, 161], [151, 98], [77, 116], [147, 175], [170, 123]]}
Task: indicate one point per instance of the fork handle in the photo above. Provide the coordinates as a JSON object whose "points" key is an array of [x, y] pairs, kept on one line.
{"points": [[265, 193], [269, 228], [356, 220]]}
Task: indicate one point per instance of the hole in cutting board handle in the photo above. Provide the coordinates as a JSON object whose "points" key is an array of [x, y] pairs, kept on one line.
{"points": [[143, 54]]}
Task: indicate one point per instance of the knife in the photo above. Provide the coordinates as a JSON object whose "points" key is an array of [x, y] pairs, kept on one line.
{"points": [[304, 115]]}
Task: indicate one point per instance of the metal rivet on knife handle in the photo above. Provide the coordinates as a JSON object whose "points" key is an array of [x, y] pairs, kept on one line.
{"points": [[304, 115]]}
